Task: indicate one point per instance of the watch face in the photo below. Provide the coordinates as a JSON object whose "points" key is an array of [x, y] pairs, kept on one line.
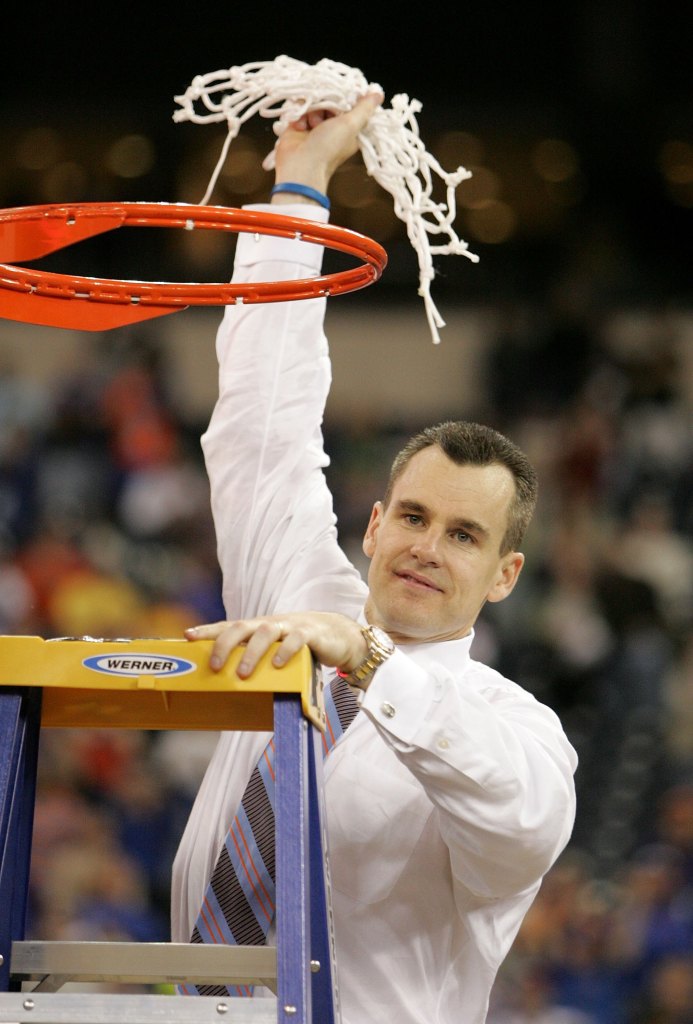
{"points": [[382, 638]]}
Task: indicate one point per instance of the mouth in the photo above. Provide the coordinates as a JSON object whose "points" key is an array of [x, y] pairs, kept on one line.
{"points": [[413, 579]]}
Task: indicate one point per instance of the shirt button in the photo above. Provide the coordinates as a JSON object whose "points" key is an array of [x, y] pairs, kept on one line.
{"points": [[387, 709], [443, 744]]}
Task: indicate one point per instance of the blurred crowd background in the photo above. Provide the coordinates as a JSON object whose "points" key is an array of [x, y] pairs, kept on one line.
{"points": [[581, 312]]}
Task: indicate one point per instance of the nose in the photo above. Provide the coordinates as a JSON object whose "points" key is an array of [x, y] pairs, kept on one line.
{"points": [[426, 548]]}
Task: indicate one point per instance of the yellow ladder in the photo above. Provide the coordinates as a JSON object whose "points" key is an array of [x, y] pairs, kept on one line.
{"points": [[166, 684]]}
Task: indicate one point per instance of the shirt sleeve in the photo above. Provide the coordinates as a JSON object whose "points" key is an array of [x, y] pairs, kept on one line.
{"points": [[493, 760], [273, 513]]}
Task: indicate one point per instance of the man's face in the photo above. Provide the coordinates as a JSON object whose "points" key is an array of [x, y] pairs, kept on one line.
{"points": [[435, 549]]}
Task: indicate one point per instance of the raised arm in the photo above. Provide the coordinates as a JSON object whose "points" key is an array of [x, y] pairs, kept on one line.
{"points": [[276, 531]]}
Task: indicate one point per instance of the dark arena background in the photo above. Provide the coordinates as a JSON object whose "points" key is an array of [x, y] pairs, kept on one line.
{"points": [[573, 334]]}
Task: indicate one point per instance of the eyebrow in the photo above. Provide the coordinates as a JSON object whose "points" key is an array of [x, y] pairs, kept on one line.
{"points": [[467, 525]]}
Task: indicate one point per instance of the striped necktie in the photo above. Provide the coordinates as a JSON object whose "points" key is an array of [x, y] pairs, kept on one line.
{"points": [[239, 904]]}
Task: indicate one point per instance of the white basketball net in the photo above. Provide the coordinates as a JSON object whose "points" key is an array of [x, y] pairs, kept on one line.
{"points": [[390, 145]]}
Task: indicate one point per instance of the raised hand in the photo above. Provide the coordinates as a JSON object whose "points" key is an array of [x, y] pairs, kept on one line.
{"points": [[311, 149]]}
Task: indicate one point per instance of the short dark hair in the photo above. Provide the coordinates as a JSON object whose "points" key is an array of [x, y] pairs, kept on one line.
{"points": [[474, 444]]}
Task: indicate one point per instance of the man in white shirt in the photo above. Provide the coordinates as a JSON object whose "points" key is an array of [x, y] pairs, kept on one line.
{"points": [[451, 793]]}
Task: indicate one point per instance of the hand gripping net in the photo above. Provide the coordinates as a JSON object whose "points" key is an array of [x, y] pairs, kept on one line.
{"points": [[390, 144]]}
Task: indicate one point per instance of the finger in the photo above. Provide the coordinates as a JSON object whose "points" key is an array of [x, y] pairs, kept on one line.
{"points": [[226, 642], [300, 124], [290, 645], [267, 633], [316, 117], [226, 636], [208, 631], [363, 110]]}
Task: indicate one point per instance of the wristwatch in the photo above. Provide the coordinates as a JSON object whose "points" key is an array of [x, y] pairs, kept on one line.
{"points": [[380, 647]]}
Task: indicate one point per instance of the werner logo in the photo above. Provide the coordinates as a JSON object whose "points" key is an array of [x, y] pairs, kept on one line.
{"points": [[138, 665]]}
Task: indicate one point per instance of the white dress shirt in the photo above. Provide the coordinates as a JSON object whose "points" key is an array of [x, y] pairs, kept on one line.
{"points": [[452, 794]]}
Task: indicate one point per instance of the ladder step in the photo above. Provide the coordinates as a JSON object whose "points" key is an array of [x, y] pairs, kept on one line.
{"points": [[53, 964], [97, 1008]]}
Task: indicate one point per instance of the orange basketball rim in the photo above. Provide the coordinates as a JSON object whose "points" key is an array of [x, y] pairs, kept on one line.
{"points": [[96, 304]]}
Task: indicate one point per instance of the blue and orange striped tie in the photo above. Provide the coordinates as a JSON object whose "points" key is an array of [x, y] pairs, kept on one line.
{"points": [[239, 904]]}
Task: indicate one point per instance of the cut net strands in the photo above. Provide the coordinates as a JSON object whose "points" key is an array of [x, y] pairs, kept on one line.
{"points": [[392, 150]]}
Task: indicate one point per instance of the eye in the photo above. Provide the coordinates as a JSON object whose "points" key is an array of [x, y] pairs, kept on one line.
{"points": [[463, 537], [412, 518]]}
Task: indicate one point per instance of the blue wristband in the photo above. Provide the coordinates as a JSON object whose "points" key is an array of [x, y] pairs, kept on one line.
{"points": [[302, 190]]}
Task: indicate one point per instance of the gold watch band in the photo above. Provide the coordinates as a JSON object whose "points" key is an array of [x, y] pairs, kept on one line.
{"points": [[380, 648]]}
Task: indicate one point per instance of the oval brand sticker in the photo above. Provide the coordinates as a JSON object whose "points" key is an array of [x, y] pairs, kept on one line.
{"points": [[138, 665]]}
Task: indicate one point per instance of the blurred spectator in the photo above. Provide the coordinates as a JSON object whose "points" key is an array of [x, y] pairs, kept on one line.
{"points": [[667, 996], [160, 499], [83, 883], [531, 1001], [142, 428], [16, 597], [648, 547], [47, 559], [679, 693], [583, 975], [25, 416], [674, 825], [654, 916]]}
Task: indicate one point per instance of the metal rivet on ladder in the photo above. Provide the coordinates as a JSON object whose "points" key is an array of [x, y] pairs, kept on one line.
{"points": [[2, 959], [315, 966], [28, 1004], [289, 1009], [222, 1008]]}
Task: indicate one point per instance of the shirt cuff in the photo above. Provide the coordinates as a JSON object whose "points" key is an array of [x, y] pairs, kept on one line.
{"points": [[398, 697], [253, 247]]}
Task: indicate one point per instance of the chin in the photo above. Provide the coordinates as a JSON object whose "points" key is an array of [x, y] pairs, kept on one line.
{"points": [[417, 631], [408, 619]]}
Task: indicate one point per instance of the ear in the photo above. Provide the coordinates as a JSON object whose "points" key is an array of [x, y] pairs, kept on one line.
{"points": [[372, 529], [508, 572]]}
